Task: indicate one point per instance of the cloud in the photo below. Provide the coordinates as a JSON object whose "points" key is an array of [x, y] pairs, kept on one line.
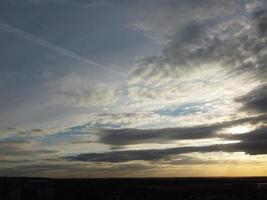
{"points": [[253, 143], [22, 147], [165, 135], [32, 132], [123, 120], [164, 19], [145, 155], [255, 5], [255, 100], [208, 59], [228, 45], [17, 132], [137, 136], [206, 38], [79, 92], [260, 20], [211, 72]]}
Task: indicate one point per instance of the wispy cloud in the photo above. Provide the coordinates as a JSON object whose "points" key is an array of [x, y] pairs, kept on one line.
{"points": [[42, 42], [203, 96]]}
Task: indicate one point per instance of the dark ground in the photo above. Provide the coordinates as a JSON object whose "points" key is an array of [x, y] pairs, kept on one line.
{"points": [[139, 188]]}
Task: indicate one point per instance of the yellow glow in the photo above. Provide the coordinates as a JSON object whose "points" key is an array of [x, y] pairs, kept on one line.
{"points": [[205, 170]]}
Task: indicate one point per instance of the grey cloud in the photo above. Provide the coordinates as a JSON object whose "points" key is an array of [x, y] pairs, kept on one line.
{"points": [[164, 135], [125, 156], [77, 91], [253, 143], [234, 42], [255, 5], [30, 153], [256, 100], [31, 132], [145, 155], [20, 132], [37, 130], [169, 17], [137, 136], [21, 148], [260, 18]]}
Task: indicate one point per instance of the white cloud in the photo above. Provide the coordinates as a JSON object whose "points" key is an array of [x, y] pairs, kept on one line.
{"points": [[213, 54], [82, 92], [126, 120]]}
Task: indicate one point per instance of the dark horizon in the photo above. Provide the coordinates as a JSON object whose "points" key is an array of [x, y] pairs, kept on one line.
{"points": [[133, 188]]}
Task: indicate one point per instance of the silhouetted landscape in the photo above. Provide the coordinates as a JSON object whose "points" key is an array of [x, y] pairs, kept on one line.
{"points": [[133, 188]]}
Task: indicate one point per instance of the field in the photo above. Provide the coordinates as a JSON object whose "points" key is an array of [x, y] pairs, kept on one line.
{"points": [[133, 189]]}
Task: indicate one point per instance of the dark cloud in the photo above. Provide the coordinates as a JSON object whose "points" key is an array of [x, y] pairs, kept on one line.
{"points": [[256, 100], [137, 136], [37, 130], [124, 156], [164, 135], [260, 18], [253, 143], [147, 155]]}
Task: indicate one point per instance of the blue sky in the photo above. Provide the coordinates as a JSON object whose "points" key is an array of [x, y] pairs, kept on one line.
{"points": [[99, 34], [156, 86]]}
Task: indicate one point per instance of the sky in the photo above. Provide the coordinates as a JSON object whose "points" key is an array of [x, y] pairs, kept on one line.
{"points": [[121, 88]]}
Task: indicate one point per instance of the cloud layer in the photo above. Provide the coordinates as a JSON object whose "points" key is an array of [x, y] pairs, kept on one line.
{"points": [[202, 96]]}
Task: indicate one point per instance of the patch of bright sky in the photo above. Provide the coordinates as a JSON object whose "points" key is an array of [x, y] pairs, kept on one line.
{"points": [[180, 143], [239, 129], [185, 109], [223, 157]]}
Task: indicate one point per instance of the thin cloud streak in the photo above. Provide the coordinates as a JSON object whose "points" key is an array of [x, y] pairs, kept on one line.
{"points": [[40, 41]]}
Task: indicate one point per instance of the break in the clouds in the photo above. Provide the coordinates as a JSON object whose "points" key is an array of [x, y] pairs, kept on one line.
{"points": [[132, 88]]}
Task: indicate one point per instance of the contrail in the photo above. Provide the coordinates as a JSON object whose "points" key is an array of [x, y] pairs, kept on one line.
{"points": [[33, 38]]}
